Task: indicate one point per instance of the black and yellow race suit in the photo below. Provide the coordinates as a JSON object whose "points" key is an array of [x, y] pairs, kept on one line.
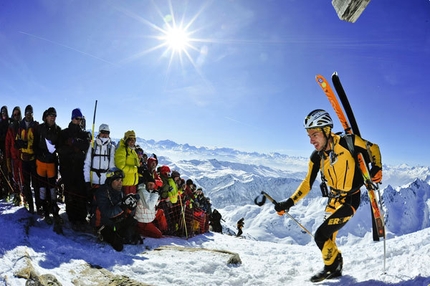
{"points": [[344, 178]]}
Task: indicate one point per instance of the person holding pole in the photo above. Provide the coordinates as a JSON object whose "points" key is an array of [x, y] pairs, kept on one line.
{"points": [[339, 170]]}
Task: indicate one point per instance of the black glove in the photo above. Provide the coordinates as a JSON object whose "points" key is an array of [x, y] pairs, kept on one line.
{"points": [[376, 173], [19, 143], [284, 205], [130, 201]]}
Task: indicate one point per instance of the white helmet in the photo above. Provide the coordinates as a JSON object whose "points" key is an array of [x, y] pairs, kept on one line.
{"points": [[318, 118], [104, 127]]}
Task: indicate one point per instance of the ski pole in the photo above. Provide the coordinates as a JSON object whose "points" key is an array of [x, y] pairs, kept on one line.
{"points": [[92, 142], [266, 195]]}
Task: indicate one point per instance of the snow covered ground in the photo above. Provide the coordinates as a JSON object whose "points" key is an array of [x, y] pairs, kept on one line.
{"points": [[78, 259]]}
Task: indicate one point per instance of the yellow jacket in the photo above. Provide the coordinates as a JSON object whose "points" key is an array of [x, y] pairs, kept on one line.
{"points": [[340, 170], [127, 160]]}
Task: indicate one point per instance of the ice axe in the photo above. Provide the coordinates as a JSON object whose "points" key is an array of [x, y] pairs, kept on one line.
{"points": [[261, 200]]}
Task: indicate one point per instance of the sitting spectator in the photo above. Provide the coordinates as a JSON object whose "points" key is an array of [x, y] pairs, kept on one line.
{"points": [[114, 214], [151, 221]]}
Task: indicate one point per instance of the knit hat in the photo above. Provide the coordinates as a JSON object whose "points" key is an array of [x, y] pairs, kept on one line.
{"points": [[76, 113], [129, 135], [104, 127], [28, 109], [175, 174], [51, 111]]}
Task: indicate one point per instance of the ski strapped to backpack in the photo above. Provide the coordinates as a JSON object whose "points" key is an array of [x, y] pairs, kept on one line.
{"points": [[370, 186]]}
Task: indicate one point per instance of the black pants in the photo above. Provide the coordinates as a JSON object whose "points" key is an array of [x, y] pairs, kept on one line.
{"points": [[326, 233], [124, 232]]}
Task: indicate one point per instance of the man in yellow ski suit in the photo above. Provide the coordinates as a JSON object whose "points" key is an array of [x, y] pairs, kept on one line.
{"points": [[333, 158]]}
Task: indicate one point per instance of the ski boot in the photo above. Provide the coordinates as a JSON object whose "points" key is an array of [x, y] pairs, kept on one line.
{"points": [[329, 272]]}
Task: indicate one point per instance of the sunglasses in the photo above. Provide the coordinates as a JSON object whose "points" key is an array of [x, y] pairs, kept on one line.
{"points": [[78, 118]]}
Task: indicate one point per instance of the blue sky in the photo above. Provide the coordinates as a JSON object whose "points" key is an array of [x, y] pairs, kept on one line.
{"points": [[245, 81]]}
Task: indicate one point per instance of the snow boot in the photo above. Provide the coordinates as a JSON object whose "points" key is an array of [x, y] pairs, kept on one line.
{"points": [[329, 272]]}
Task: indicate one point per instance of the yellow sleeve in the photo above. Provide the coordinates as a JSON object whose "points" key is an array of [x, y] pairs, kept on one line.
{"points": [[306, 185]]}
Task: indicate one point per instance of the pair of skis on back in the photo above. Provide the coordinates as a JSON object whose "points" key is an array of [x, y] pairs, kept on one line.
{"points": [[346, 116]]}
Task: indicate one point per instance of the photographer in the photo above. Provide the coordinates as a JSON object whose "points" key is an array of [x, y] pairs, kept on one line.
{"points": [[114, 213]]}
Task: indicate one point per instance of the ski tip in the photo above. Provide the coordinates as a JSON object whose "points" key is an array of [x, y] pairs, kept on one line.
{"points": [[335, 73]]}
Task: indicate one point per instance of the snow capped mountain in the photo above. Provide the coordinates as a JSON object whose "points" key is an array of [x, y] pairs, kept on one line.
{"points": [[232, 179]]}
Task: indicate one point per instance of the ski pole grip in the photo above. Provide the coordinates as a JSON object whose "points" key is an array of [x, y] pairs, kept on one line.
{"points": [[268, 197], [281, 213]]}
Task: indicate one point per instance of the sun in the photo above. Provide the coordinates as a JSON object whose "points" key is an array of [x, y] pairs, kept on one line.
{"points": [[176, 39]]}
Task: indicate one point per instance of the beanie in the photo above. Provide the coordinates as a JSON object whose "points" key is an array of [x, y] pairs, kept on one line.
{"points": [[104, 127], [51, 111], [28, 109], [76, 113], [175, 174], [129, 134]]}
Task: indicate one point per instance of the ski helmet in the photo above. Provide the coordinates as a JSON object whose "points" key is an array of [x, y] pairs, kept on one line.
{"points": [[318, 118]]}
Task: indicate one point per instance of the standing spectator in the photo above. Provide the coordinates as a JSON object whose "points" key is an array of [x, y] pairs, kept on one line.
{"points": [[74, 144], [151, 221], [46, 143], [151, 172], [142, 168], [13, 161], [4, 125], [215, 221], [25, 142], [127, 160], [100, 158], [240, 224], [114, 215]]}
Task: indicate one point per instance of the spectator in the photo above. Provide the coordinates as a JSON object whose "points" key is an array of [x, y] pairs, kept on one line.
{"points": [[114, 214], [25, 142], [127, 160], [4, 125], [99, 159], [13, 162], [46, 142], [142, 168], [151, 172], [74, 144], [151, 221], [215, 221]]}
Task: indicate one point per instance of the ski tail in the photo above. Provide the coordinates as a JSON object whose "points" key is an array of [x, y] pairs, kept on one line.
{"points": [[377, 222]]}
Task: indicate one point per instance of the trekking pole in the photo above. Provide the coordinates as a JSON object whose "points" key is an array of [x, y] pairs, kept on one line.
{"points": [[263, 200], [183, 217], [92, 142]]}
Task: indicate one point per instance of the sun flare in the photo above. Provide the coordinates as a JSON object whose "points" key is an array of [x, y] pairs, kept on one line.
{"points": [[177, 39]]}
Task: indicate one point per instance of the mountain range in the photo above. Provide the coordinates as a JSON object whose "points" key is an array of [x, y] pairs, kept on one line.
{"points": [[232, 179]]}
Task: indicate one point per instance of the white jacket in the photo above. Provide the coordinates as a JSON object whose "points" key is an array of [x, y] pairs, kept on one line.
{"points": [[102, 160], [145, 210]]}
